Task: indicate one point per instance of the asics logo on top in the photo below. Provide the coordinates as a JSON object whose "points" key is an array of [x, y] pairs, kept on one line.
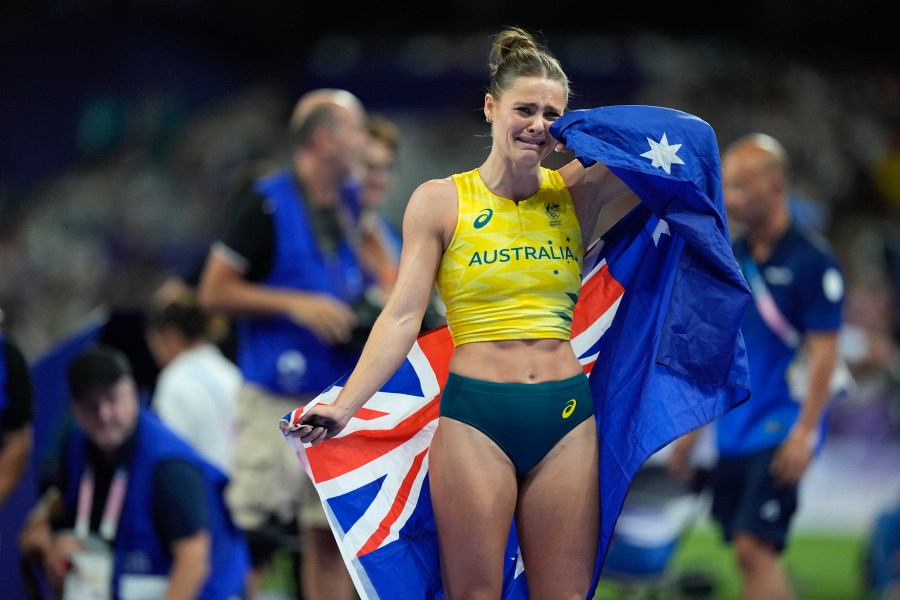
{"points": [[483, 218]]}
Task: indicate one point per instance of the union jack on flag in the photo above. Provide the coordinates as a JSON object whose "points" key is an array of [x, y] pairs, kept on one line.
{"points": [[656, 328]]}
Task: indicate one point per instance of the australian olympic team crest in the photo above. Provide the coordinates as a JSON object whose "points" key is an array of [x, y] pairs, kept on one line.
{"points": [[552, 211]]}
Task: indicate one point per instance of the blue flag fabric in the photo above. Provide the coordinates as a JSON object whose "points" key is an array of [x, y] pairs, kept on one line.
{"points": [[674, 358], [656, 327]]}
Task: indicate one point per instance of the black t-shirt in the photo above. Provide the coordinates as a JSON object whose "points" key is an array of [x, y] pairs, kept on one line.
{"points": [[250, 229], [19, 390], [250, 232], [179, 496]]}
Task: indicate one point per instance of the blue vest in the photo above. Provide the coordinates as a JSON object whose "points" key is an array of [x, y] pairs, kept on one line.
{"points": [[276, 353], [138, 548]]}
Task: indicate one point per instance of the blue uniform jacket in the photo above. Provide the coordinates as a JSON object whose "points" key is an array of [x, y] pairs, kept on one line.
{"points": [[806, 284]]}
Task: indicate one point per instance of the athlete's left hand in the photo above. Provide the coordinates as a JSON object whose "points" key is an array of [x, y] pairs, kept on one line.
{"points": [[320, 422]]}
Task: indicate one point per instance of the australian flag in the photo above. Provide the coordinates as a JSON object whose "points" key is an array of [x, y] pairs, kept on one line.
{"points": [[656, 327]]}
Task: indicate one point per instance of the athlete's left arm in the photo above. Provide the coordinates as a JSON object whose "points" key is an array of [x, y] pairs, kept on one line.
{"points": [[592, 188], [795, 454]]}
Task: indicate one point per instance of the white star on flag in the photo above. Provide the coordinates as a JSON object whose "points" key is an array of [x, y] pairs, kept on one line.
{"points": [[662, 228], [662, 154]]}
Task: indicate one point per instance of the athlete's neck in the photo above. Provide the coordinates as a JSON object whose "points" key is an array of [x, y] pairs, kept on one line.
{"points": [[507, 182]]}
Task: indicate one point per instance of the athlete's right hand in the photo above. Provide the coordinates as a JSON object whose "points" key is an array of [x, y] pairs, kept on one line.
{"points": [[331, 320], [321, 422]]}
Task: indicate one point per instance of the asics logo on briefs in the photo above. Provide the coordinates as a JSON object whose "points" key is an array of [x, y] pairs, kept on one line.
{"points": [[569, 409], [483, 218]]}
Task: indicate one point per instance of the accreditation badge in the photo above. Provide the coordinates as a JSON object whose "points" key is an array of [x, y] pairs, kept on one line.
{"points": [[90, 576], [143, 587]]}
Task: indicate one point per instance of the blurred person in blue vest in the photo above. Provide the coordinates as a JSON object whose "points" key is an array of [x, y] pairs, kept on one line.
{"points": [[288, 270], [16, 414], [766, 445], [138, 514]]}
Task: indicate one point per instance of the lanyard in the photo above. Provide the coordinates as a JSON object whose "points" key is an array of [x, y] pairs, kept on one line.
{"points": [[841, 377], [112, 511], [766, 305]]}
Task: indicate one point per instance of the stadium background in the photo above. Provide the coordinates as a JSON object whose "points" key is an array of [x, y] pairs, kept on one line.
{"points": [[125, 125]]}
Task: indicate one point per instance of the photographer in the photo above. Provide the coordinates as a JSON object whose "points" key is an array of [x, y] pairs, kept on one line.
{"points": [[288, 270]]}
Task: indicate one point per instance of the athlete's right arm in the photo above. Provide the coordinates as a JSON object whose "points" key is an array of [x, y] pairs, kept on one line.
{"points": [[592, 188], [428, 226]]}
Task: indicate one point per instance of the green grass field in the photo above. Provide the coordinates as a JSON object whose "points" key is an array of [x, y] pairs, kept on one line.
{"points": [[820, 567]]}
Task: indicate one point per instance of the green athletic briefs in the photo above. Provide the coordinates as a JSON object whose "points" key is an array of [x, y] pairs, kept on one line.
{"points": [[524, 419]]}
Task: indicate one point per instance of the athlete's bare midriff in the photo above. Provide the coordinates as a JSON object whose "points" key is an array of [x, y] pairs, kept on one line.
{"points": [[516, 361]]}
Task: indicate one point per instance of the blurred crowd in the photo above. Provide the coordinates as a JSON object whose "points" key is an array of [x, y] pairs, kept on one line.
{"points": [[109, 229]]}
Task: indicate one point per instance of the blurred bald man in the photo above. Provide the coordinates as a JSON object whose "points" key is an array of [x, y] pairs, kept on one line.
{"points": [[766, 445], [285, 269]]}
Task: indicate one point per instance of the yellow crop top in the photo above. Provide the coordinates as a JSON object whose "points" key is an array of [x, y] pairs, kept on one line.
{"points": [[512, 270]]}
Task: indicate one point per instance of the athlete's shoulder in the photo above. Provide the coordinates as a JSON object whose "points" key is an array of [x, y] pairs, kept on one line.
{"points": [[594, 184], [434, 190], [433, 201], [553, 179]]}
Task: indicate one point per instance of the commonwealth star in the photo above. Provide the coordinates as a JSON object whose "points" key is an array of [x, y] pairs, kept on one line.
{"points": [[662, 154]]}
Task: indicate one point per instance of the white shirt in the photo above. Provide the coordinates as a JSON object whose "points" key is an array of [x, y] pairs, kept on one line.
{"points": [[196, 396]]}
